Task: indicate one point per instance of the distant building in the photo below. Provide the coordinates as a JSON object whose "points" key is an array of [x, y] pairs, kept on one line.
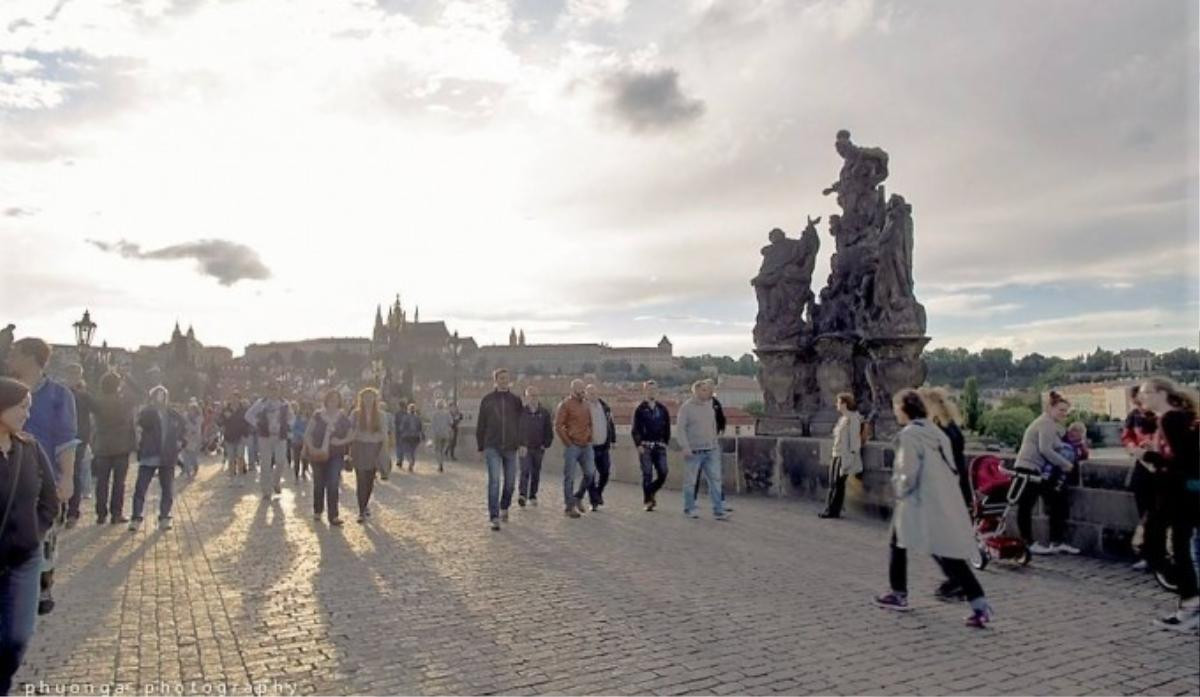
{"points": [[1136, 361], [574, 358], [738, 390], [1106, 399], [358, 346]]}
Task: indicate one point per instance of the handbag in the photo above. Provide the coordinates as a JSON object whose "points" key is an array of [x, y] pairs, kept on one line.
{"points": [[385, 462]]}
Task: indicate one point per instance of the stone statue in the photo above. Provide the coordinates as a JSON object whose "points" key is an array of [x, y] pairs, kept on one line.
{"points": [[783, 286], [865, 332], [858, 186], [6, 342]]}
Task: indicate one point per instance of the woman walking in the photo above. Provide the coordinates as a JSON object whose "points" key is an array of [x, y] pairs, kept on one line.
{"points": [[326, 441], [929, 516], [162, 440], [114, 441], [847, 454], [1176, 456], [28, 505], [1039, 460], [944, 414], [409, 432], [368, 439]]}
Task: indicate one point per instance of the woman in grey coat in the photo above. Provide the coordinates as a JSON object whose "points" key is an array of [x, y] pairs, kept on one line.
{"points": [[929, 516]]}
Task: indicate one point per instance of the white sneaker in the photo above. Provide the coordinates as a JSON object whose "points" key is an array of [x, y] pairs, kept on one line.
{"points": [[1064, 548], [1140, 565], [1039, 548], [134, 524], [164, 524], [1184, 620]]}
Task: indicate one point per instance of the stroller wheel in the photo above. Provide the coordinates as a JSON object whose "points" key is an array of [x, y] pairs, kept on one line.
{"points": [[980, 559], [1026, 557]]}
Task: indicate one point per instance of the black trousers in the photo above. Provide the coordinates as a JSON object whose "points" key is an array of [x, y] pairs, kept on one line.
{"points": [[601, 457], [837, 488], [1055, 503], [957, 572], [110, 469], [364, 485]]}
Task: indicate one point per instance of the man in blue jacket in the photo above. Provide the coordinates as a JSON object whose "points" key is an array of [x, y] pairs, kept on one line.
{"points": [[537, 434], [651, 435], [53, 424]]}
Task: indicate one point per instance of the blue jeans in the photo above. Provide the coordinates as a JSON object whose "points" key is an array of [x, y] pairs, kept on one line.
{"points": [[500, 462], [82, 480], [581, 454], [408, 451], [166, 484], [654, 470], [19, 588], [708, 463]]}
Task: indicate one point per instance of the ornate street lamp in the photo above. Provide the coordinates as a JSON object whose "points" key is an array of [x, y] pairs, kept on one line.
{"points": [[85, 329]]}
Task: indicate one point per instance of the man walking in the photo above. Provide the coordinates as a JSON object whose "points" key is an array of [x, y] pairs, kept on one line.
{"points": [[498, 435], [537, 434], [697, 433], [573, 424], [651, 434], [53, 424], [604, 434], [270, 418]]}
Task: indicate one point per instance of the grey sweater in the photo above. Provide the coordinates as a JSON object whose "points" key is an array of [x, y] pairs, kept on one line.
{"points": [[1037, 446], [696, 425]]}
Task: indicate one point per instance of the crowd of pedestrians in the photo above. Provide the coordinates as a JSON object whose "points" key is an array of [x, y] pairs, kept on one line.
{"points": [[63, 443]]}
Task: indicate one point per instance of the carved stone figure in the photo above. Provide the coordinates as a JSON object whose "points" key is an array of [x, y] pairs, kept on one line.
{"points": [[784, 286], [865, 330]]}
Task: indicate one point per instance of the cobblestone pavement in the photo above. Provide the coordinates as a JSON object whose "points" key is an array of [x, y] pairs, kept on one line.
{"points": [[425, 599]]}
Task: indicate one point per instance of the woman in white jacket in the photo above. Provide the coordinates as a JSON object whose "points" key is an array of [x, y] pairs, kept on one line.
{"points": [[929, 516], [847, 454]]}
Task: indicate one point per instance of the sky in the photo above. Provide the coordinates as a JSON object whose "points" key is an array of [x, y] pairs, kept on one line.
{"points": [[590, 170]]}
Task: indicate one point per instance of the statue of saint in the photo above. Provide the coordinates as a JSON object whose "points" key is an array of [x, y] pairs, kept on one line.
{"points": [[783, 285], [863, 170]]}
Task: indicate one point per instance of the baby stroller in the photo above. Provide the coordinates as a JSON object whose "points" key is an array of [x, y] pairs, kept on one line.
{"points": [[995, 491]]}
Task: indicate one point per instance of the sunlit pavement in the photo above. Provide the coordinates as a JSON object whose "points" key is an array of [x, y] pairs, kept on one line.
{"points": [[244, 595]]}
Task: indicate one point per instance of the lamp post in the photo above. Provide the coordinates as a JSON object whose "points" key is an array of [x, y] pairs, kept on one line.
{"points": [[454, 346], [85, 331]]}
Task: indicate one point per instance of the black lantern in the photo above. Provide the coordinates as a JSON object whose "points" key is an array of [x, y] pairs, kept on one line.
{"points": [[85, 329]]}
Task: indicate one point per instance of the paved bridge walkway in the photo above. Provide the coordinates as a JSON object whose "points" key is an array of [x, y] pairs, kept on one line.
{"points": [[425, 599]]}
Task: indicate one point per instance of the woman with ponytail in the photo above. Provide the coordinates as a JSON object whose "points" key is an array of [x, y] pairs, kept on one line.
{"points": [[1175, 455]]}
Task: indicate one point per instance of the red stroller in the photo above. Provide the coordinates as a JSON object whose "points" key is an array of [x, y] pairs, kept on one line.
{"points": [[995, 491]]}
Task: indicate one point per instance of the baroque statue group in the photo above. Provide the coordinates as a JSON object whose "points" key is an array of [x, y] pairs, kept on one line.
{"points": [[864, 332]]}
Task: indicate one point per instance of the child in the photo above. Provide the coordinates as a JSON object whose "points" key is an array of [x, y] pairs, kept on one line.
{"points": [[1074, 448]]}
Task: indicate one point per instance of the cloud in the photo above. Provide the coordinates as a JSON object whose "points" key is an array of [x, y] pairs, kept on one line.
{"points": [[228, 262], [581, 13], [17, 212], [967, 305], [650, 100]]}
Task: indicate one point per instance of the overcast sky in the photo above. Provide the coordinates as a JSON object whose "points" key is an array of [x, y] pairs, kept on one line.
{"points": [[589, 169]]}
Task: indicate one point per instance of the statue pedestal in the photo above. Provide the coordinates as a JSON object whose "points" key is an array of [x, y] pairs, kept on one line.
{"points": [[782, 376], [894, 364], [834, 375]]}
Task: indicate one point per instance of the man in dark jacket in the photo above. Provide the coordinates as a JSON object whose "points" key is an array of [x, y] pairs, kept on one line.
{"points": [[113, 441], [163, 430], [651, 435], [537, 434], [498, 435]]}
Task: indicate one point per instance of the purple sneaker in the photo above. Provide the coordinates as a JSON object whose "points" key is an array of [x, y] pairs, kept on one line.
{"points": [[979, 618], [893, 601]]}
